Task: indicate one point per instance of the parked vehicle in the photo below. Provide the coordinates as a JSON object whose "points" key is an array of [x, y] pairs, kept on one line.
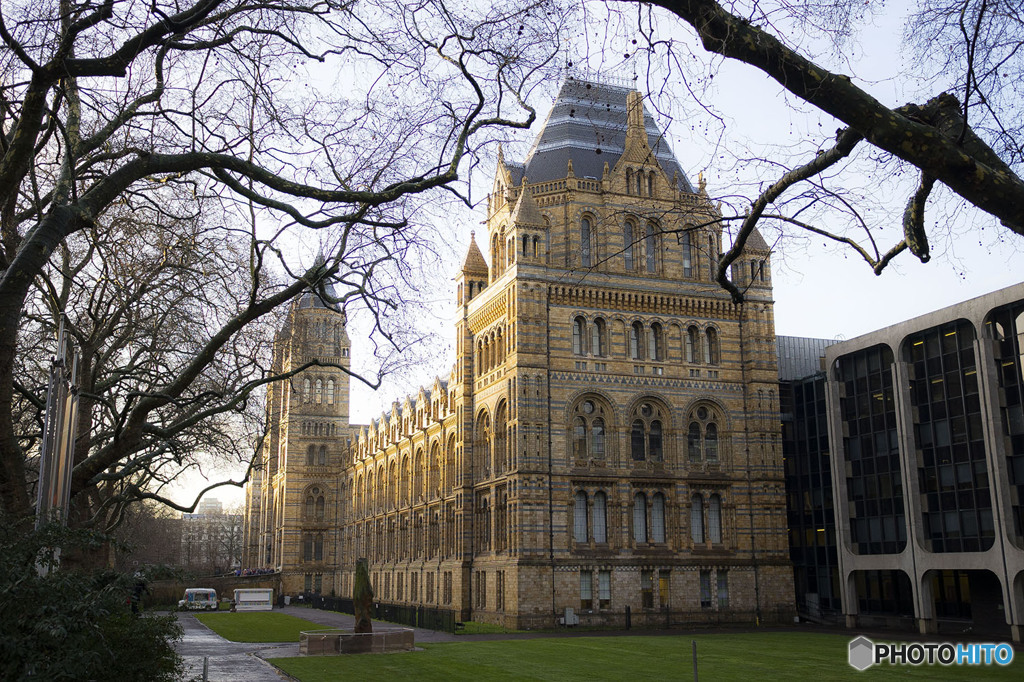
{"points": [[254, 599], [199, 598]]}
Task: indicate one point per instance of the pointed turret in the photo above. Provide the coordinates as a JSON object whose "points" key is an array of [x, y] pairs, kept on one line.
{"points": [[472, 279], [526, 212]]}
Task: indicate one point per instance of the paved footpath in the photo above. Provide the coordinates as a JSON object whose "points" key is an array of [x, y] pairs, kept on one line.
{"points": [[227, 661]]}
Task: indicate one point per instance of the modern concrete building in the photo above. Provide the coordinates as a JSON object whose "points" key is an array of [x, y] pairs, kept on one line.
{"points": [[926, 434]]}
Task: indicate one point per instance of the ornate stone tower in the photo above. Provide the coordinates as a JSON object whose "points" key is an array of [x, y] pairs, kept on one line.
{"points": [[308, 417]]}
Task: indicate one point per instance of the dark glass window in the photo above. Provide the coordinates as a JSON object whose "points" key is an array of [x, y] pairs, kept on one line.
{"points": [[874, 484], [1006, 328], [956, 509]]}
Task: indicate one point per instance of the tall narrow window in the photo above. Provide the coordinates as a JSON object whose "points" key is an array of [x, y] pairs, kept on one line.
{"points": [[647, 589], [654, 444], [711, 442], [658, 518], [636, 332], [578, 334], [579, 438], [687, 255], [600, 517], [597, 438], [636, 440], [650, 184], [585, 259], [712, 256], [604, 589], [321, 508], [712, 353], [640, 518], [599, 338], [311, 455], [693, 344], [318, 548], [715, 519], [305, 390], [656, 343], [330, 391], [629, 245], [319, 391], [579, 515], [629, 180], [639, 182], [697, 519], [586, 590], [693, 442], [651, 248], [705, 589], [321, 457]]}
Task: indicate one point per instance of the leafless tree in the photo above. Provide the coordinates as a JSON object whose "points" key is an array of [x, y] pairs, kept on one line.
{"points": [[965, 135], [164, 168]]}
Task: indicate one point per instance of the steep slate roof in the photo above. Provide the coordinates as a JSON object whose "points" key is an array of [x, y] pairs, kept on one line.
{"points": [[474, 261], [755, 242], [526, 211], [588, 125], [311, 297]]}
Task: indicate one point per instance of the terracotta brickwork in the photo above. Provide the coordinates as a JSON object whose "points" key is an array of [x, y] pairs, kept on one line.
{"points": [[608, 438]]}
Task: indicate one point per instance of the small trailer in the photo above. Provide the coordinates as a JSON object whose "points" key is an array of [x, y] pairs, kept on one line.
{"points": [[199, 598], [254, 599]]}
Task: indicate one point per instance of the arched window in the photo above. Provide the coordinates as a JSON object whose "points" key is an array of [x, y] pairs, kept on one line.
{"points": [[697, 519], [321, 457], [579, 515], [712, 256], [640, 517], [599, 338], [307, 547], [597, 439], [693, 345], [585, 259], [711, 442], [639, 182], [636, 333], [321, 505], [318, 547], [651, 247], [311, 455], [526, 243], [501, 454], [658, 518], [330, 391], [636, 440], [654, 449], [650, 184], [629, 245], [319, 391], [693, 442], [305, 390], [656, 343], [687, 255], [715, 519], [579, 438], [482, 447], [578, 334], [600, 517], [712, 352], [310, 505], [629, 180]]}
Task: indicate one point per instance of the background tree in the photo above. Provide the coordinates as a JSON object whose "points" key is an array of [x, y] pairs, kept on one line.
{"points": [[964, 136], [212, 140]]}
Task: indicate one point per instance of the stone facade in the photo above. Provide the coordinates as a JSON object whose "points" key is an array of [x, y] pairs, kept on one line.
{"points": [[606, 446]]}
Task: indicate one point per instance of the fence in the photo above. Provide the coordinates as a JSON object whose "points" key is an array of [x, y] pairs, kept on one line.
{"points": [[413, 616]]}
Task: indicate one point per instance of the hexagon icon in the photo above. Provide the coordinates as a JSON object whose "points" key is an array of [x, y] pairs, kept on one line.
{"points": [[862, 653]]}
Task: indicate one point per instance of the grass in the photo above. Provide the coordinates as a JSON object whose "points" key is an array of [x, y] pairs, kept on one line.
{"points": [[741, 657], [257, 626], [473, 628]]}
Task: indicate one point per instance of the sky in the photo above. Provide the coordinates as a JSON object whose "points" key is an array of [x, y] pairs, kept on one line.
{"points": [[820, 291]]}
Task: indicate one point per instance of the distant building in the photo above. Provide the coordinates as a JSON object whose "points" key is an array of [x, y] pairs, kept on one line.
{"points": [[211, 541]]}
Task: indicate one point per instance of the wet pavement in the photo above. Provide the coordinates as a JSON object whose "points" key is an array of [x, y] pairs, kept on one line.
{"points": [[226, 661]]}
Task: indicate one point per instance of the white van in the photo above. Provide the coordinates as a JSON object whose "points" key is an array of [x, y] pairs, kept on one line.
{"points": [[254, 599], [199, 598]]}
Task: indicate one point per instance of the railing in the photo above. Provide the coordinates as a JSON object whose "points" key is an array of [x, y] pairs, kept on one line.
{"points": [[413, 616]]}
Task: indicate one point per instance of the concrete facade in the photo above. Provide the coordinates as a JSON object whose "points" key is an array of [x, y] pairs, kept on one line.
{"points": [[927, 435], [606, 446]]}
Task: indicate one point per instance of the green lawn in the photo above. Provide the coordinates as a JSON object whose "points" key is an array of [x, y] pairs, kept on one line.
{"points": [[257, 626], [805, 657]]}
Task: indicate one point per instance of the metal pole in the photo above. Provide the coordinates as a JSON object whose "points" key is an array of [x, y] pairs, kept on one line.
{"points": [[694, 642], [206, 668]]}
